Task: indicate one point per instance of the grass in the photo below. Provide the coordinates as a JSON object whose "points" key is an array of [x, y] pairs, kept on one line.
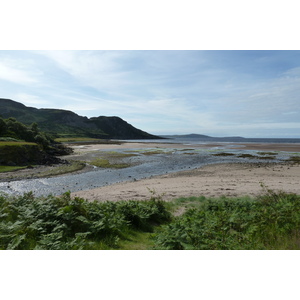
{"points": [[267, 157], [63, 169], [137, 240], [104, 163], [9, 139], [245, 155], [154, 152], [86, 140], [115, 154], [223, 154], [267, 153], [77, 139], [20, 153], [294, 159], [13, 143], [4, 169], [73, 166]]}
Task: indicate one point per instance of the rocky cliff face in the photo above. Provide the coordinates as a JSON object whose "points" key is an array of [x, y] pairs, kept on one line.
{"points": [[63, 122]]}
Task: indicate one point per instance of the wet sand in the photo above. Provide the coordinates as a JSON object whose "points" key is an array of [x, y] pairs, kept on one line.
{"points": [[268, 147], [210, 181], [246, 146]]}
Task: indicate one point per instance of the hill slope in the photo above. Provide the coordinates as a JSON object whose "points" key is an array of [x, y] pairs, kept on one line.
{"points": [[60, 122]]}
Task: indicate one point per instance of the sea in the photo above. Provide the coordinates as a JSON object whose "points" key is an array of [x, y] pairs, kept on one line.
{"points": [[201, 140]]}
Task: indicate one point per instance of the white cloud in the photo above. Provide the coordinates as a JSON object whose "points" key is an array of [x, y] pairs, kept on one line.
{"points": [[98, 69], [262, 102], [28, 99], [128, 74], [18, 71]]}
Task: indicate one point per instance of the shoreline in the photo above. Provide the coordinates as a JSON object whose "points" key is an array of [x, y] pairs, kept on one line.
{"points": [[33, 173], [216, 180], [288, 147], [193, 170]]}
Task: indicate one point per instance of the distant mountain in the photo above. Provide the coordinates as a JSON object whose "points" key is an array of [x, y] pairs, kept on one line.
{"points": [[60, 122], [204, 137], [188, 136]]}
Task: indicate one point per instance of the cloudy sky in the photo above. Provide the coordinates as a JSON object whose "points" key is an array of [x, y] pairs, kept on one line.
{"points": [[218, 93]]}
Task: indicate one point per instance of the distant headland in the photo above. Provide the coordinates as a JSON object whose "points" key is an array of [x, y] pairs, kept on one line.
{"points": [[63, 123]]}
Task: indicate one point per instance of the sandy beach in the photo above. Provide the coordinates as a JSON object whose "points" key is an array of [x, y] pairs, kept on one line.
{"points": [[211, 181], [171, 170]]}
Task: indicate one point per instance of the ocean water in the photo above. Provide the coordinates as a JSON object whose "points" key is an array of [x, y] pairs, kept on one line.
{"points": [[197, 141]]}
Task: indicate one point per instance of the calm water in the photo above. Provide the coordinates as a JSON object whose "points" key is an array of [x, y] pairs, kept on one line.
{"points": [[197, 141]]}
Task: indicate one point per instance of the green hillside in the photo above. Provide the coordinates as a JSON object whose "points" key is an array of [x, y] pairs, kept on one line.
{"points": [[22, 145], [64, 123]]}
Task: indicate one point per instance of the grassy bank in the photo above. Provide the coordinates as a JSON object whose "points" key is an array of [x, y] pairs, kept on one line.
{"points": [[104, 163], [19, 153], [73, 166], [271, 221], [85, 141], [78, 139], [4, 169]]}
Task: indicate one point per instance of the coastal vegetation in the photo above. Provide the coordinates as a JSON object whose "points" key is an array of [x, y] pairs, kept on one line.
{"points": [[22, 145], [154, 152], [4, 169], [151, 151], [261, 155], [59, 223], [55, 170], [104, 163], [294, 159], [271, 221], [76, 139], [223, 154], [104, 159], [268, 153]]}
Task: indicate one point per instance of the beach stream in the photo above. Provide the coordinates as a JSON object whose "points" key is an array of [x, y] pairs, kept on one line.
{"points": [[142, 163]]}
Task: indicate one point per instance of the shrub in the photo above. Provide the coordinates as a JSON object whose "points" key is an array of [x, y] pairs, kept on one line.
{"points": [[270, 222], [27, 222]]}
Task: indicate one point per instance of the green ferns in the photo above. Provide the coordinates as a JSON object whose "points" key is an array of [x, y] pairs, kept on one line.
{"points": [[269, 222], [62, 223]]}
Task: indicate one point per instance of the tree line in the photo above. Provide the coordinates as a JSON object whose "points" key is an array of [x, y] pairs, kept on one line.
{"points": [[11, 128]]}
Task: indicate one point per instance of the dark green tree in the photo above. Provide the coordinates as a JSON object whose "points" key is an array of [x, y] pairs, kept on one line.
{"points": [[34, 128], [2, 127]]}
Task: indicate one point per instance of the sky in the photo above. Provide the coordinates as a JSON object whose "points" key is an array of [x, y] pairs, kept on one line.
{"points": [[218, 93]]}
